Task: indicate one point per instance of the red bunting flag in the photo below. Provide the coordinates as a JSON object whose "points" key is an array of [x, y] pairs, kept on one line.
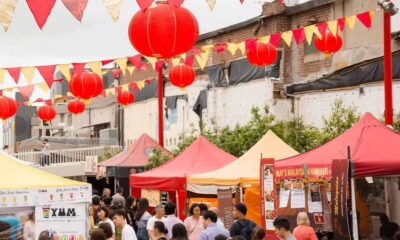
{"points": [[298, 35], [196, 51], [148, 81], [103, 93], [176, 2], [241, 1], [76, 7], [136, 61], [134, 87], [251, 43], [48, 102], [322, 27], [341, 22], [105, 62], [78, 67], [143, 4], [14, 73], [116, 72], [26, 91], [41, 10], [220, 47], [189, 60], [275, 39], [47, 73], [365, 19]]}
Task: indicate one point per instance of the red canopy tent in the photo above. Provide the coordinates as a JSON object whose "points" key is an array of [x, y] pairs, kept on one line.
{"points": [[201, 156], [374, 149], [137, 155]]}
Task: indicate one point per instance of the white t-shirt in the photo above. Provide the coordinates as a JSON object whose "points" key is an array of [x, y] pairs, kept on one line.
{"points": [[152, 220], [128, 233], [109, 221]]}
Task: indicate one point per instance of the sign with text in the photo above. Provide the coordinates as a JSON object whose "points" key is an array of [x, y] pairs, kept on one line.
{"points": [[57, 195], [154, 196], [17, 198], [225, 206], [339, 195]]}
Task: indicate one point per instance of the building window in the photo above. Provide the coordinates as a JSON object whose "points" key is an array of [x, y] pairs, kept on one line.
{"points": [[309, 49]]}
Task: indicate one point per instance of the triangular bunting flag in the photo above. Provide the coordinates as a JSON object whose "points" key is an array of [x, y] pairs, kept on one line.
{"points": [[28, 73], [202, 59], [341, 22], [176, 2], [43, 86], [189, 60], [365, 19], [78, 67], [110, 91], [351, 21], [211, 4], [95, 67], [148, 81], [105, 62], [183, 56], [321, 28], [287, 37], [309, 32], [220, 47], [47, 73], [2, 71], [14, 73], [125, 87], [130, 69], [332, 26], [298, 35], [140, 85], [208, 47], [103, 93], [41, 10], [232, 48], [7, 9], [175, 61], [26, 91], [264, 39], [251, 43], [143, 4], [152, 61], [122, 63], [64, 69], [275, 39], [113, 8], [136, 61], [196, 51], [134, 86], [76, 7], [242, 47]]}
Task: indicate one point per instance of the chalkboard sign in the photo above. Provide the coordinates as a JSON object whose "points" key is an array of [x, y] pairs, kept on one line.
{"points": [[225, 206]]}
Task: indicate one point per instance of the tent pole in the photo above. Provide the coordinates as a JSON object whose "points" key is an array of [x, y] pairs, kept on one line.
{"points": [[354, 209]]}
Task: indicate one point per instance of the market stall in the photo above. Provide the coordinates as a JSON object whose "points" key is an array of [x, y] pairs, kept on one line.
{"points": [[200, 156], [243, 172], [58, 204]]}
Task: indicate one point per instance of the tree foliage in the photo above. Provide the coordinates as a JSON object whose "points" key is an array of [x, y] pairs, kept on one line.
{"points": [[157, 158]]}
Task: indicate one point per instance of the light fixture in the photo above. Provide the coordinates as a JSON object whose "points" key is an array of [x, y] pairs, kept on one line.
{"points": [[388, 7]]}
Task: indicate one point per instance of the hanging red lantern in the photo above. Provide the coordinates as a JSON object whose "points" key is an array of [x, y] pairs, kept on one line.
{"points": [[8, 107], [86, 85], [262, 54], [76, 107], [46, 113], [182, 75], [163, 31], [125, 97], [328, 43]]}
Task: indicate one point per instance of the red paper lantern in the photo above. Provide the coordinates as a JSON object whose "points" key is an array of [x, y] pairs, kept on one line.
{"points": [[328, 43], [46, 113], [125, 97], [8, 107], [76, 107], [262, 54], [163, 31], [182, 75], [86, 85]]}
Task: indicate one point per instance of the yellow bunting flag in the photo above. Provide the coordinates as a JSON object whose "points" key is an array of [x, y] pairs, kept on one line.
{"points": [[152, 61], [122, 63], [332, 26], [7, 9], [140, 84], [110, 91], [317, 33], [207, 47], [28, 73], [113, 8], [242, 47], [95, 67], [43, 86], [351, 21], [211, 4], [264, 39], [372, 14], [176, 61], [202, 59], [232, 48], [287, 37], [125, 87], [130, 69], [309, 32], [183, 56], [65, 70], [2, 71]]}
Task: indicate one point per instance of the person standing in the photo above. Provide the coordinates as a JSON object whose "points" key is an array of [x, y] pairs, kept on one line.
{"points": [[118, 198], [282, 229], [303, 231], [179, 232], [46, 153], [242, 227], [97, 234], [160, 231], [142, 216], [29, 227], [130, 209], [107, 230], [194, 223], [120, 222], [171, 219], [103, 217], [106, 193], [211, 228], [6, 149], [159, 216], [219, 221]]}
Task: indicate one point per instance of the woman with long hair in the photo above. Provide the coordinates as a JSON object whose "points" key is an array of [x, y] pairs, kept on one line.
{"points": [[107, 230], [179, 232], [303, 231], [160, 231], [194, 224], [142, 216], [130, 209]]}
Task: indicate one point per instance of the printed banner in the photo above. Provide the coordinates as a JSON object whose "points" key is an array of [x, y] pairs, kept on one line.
{"points": [[225, 206], [67, 221], [77, 194], [284, 193], [17, 198], [297, 195], [300, 172], [154, 196], [339, 188], [314, 198]]}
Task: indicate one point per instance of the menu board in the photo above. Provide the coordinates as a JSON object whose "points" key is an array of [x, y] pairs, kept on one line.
{"points": [[225, 206], [268, 195]]}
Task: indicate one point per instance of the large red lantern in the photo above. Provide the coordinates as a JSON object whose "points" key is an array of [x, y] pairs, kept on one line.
{"points": [[8, 107], [328, 43], [262, 54], [182, 75], [125, 97], [86, 85], [76, 107], [163, 31], [46, 113]]}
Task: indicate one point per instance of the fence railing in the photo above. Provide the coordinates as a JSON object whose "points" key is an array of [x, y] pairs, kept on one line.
{"points": [[81, 141], [66, 156]]}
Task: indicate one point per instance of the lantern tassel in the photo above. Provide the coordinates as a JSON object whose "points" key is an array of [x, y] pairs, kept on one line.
{"points": [[328, 55], [87, 101]]}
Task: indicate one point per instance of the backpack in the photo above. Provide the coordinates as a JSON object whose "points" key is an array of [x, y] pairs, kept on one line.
{"points": [[246, 228]]}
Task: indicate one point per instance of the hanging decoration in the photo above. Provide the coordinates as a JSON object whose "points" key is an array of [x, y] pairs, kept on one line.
{"points": [[182, 75], [328, 43], [86, 85], [8, 107], [262, 54], [125, 97], [46, 113], [76, 107], [163, 31]]}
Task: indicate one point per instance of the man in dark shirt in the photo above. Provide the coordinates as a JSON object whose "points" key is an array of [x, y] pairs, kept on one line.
{"points": [[242, 226], [388, 229]]}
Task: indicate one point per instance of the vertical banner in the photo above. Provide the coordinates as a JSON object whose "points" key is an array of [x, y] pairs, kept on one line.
{"points": [[268, 196], [339, 195], [225, 206]]}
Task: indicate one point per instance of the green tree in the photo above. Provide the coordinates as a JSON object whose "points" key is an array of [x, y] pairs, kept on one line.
{"points": [[396, 122], [300, 136], [158, 158]]}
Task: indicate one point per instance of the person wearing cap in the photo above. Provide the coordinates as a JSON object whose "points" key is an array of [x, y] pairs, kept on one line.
{"points": [[242, 226]]}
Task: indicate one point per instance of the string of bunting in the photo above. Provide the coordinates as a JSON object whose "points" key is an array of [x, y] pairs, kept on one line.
{"points": [[302, 35]]}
